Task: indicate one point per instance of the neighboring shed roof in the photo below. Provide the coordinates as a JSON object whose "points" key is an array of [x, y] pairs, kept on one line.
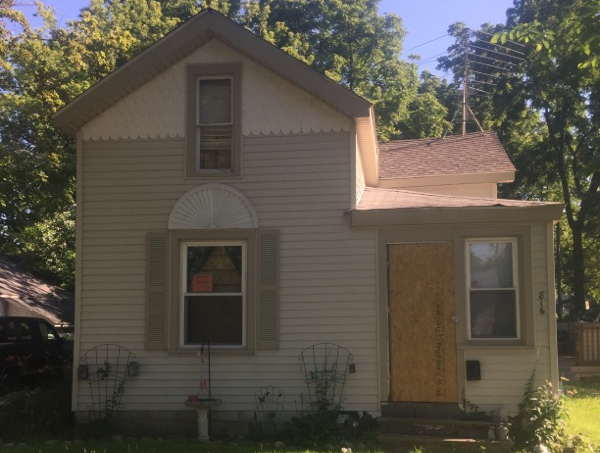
{"points": [[375, 199], [479, 152], [17, 286]]}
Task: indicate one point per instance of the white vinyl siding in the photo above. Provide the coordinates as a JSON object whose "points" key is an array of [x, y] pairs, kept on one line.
{"points": [[299, 185], [505, 372]]}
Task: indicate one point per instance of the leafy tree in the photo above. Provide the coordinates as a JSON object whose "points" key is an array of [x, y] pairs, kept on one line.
{"points": [[351, 43], [36, 161], [9, 16], [545, 109], [44, 69], [566, 90]]}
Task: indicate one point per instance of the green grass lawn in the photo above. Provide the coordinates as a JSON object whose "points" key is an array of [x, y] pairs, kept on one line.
{"points": [[583, 405], [32, 414], [167, 446]]}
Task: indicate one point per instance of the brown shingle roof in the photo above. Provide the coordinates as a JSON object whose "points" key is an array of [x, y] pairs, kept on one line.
{"points": [[480, 152], [374, 199], [22, 288]]}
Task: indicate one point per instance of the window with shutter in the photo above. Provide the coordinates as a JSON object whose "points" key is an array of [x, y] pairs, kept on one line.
{"points": [[223, 287]]}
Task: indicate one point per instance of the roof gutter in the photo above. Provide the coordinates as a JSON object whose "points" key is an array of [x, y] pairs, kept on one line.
{"points": [[455, 215]]}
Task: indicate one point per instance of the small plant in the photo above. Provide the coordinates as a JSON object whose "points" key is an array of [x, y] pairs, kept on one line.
{"points": [[324, 368], [314, 430], [540, 419]]}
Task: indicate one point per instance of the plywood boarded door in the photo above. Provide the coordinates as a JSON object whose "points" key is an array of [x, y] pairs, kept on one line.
{"points": [[422, 331]]}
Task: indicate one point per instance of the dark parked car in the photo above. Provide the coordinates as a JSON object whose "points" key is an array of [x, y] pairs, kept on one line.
{"points": [[30, 352]]}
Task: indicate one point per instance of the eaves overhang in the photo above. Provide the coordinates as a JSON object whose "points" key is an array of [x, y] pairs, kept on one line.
{"points": [[183, 40], [375, 218]]}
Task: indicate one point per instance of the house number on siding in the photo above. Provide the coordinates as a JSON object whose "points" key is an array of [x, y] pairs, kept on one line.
{"points": [[541, 298]]}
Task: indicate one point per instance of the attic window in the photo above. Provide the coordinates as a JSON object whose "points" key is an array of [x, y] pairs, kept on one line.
{"points": [[213, 134], [214, 124]]}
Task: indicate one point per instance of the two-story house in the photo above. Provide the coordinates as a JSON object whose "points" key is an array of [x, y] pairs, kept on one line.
{"points": [[227, 191]]}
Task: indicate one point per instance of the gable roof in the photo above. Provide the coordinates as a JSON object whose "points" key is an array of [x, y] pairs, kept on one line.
{"points": [[477, 153], [184, 39], [19, 287]]}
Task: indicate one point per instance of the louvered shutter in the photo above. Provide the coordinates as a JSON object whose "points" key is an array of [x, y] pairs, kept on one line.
{"points": [[156, 291], [268, 290]]}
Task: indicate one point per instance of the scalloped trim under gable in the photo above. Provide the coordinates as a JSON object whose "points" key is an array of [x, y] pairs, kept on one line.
{"points": [[270, 104]]}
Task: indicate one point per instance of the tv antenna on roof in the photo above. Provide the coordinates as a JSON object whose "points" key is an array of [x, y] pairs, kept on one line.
{"points": [[484, 64]]}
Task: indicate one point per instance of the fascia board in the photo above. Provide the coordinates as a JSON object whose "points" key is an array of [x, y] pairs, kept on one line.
{"points": [[446, 216], [444, 180], [367, 142]]}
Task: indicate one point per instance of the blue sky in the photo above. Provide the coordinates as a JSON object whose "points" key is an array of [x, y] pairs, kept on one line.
{"points": [[424, 19]]}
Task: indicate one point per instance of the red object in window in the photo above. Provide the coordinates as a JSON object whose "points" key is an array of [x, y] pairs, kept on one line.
{"points": [[202, 282]]}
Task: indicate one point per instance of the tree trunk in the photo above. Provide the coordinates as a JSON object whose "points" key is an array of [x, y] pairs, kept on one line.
{"points": [[578, 270]]}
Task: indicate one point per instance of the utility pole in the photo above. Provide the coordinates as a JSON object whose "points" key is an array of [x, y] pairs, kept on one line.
{"points": [[464, 94]]}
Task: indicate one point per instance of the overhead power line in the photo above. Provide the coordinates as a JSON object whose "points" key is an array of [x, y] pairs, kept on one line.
{"points": [[493, 59], [489, 66], [478, 90], [485, 73], [430, 41], [496, 52], [482, 81], [499, 46]]}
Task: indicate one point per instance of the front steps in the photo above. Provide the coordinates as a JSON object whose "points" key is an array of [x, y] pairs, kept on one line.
{"points": [[438, 427], [458, 429]]}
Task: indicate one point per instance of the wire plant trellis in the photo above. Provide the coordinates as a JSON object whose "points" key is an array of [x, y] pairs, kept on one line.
{"points": [[325, 366], [269, 404], [107, 366]]}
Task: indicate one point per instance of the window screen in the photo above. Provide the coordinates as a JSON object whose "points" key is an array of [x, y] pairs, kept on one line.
{"points": [[492, 289]]}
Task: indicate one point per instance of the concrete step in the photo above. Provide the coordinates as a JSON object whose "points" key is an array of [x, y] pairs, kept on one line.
{"points": [[405, 444], [444, 428], [423, 410]]}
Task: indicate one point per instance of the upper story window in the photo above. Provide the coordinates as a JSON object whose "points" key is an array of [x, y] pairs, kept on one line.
{"points": [[214, 124], [213, 135], [492, 288]]}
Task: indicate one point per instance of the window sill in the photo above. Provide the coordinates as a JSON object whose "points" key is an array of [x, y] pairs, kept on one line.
{"points": [[213, 350], [497, 346], [212, 175]]}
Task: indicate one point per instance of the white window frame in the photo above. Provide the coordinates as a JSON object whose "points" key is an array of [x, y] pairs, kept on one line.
{"points": [[184, 293], [516, 284], [199, 125]]}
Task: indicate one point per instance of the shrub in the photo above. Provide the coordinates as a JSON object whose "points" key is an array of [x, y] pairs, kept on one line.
{"points": [[540, 419], [45, 410]]}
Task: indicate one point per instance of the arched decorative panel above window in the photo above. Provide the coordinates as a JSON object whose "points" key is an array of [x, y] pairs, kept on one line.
{"points": [[213, 206]]}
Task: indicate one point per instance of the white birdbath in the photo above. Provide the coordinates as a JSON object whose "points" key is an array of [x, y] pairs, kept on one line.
{"points": [[202, 407]]}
